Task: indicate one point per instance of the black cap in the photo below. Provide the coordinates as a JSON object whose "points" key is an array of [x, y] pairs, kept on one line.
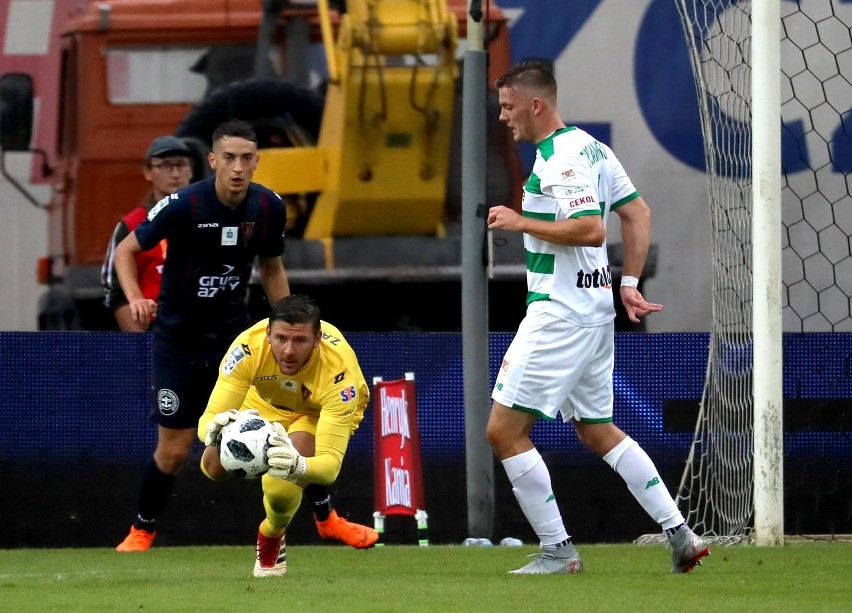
{"points": [[167, 145]]}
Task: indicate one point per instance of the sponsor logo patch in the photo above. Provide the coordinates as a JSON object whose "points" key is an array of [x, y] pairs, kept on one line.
{"points": [[566, 191], [600, 277], [578, 201], [348, 394], [229, 236], [159, 207], [210, 285], [232, 359]]}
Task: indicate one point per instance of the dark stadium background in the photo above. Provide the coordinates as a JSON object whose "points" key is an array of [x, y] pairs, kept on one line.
{"points": [[74, 436]]}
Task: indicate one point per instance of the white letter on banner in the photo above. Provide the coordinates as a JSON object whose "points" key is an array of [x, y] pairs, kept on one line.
{"points": [[395, 416], [397, 486]]}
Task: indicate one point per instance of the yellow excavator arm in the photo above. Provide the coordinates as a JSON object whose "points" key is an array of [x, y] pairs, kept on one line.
{"points": [[381, 162]]}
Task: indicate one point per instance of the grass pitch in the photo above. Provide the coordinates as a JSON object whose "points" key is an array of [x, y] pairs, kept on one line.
{"points": [[798, 577]]}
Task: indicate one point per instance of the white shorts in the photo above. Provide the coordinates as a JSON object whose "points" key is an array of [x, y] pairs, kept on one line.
{"points": [[553, 366]]}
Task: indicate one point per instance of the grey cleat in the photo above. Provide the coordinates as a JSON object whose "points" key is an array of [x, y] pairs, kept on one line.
{"points": [[564, 561], [687, 550]]}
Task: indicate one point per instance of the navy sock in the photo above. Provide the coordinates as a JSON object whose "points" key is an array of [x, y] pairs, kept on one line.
{"points": [[154, 496], [320, 500]]}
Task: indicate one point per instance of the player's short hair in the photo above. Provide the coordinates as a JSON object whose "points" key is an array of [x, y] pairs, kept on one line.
{"points": [[296, 309], [234, 127], [535, 74]]}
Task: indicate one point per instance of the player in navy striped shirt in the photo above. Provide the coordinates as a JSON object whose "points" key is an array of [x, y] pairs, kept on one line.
{"points": [[214, 229]]}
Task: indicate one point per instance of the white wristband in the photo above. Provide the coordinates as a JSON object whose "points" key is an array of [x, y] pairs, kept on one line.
{"points": [[628, 281]]}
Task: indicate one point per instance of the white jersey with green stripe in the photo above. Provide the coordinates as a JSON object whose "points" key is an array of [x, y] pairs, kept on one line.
{"points": [[574, 175]]}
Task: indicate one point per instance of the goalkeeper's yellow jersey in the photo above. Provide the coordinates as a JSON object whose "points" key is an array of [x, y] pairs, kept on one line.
{"points": [[327, 397]]}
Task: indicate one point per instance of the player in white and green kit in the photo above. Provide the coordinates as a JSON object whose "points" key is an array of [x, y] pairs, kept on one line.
{"points": [[561, 359]]}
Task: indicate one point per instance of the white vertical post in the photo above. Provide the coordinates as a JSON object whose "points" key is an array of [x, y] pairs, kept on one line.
{"points": [[766, 267]]}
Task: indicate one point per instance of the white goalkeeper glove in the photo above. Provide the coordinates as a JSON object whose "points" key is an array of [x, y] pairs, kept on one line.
{"points": [[284, 461], [219, 421]]}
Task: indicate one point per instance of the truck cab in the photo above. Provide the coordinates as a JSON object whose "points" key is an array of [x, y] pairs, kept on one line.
{"points": [[131, 70]]}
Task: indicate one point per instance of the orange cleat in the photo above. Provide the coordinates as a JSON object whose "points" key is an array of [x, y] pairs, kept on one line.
{"points": [[137, 540], [335, 528]]}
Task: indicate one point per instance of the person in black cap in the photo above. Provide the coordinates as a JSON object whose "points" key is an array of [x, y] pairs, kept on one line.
{"points": [[167, 168]]}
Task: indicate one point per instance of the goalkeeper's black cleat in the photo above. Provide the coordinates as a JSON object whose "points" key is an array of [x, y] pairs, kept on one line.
{"points": [[687, 550]]}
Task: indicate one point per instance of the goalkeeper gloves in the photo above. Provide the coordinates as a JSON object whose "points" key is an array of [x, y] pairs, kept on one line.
{"points": [[284, 461], [219, 421]]}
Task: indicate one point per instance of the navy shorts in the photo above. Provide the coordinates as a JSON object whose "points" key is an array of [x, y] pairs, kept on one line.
{"points": [[182, 380]]}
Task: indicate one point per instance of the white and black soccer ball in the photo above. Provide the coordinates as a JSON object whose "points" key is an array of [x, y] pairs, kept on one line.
{"points": [[244, 444]]}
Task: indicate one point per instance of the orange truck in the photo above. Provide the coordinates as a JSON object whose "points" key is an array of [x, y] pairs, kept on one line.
{"points": [[358, 116]]}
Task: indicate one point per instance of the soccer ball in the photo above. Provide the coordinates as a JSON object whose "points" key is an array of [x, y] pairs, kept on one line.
{"points": [[243, 446]]}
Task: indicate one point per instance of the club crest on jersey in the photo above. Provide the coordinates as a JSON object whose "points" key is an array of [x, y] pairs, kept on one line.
{"points": [[229, 236], [247, 228], [167, 401]]}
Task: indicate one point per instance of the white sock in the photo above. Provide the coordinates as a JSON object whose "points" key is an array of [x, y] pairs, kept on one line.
{"points": [[531, 485], [630, 461]]}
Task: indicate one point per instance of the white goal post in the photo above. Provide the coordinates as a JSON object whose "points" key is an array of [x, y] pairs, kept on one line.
{"points": [[774, 87], [766, 265]]}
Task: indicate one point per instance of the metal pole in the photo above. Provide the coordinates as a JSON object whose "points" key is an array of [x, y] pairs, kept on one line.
{"points": [[479, 458], [766, 264]]}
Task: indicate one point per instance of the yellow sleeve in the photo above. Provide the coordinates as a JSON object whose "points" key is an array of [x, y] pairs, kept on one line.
{"points": [[232, 385], [340, 407], [332, 439]]}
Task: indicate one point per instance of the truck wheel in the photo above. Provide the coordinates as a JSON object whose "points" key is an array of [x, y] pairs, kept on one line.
{"points": [[281, 113]]}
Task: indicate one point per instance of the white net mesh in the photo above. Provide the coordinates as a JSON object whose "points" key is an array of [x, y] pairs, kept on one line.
{"points": [[716, 491]]}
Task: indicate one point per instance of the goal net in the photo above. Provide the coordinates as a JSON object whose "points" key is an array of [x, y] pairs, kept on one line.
{"points": [[716, 490]]}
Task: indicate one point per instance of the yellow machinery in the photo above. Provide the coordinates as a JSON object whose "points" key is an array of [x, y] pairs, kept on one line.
{"points": [[381, 162]]}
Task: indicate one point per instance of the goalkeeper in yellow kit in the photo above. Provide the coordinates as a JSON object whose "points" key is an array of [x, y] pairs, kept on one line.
{"points": [[299, 373]]}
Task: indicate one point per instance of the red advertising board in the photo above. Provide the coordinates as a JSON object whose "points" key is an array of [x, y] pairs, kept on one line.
{"points": [[398, 474]]}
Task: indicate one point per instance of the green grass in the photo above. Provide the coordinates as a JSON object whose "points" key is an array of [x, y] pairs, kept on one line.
{"points": [[444, 579]]}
